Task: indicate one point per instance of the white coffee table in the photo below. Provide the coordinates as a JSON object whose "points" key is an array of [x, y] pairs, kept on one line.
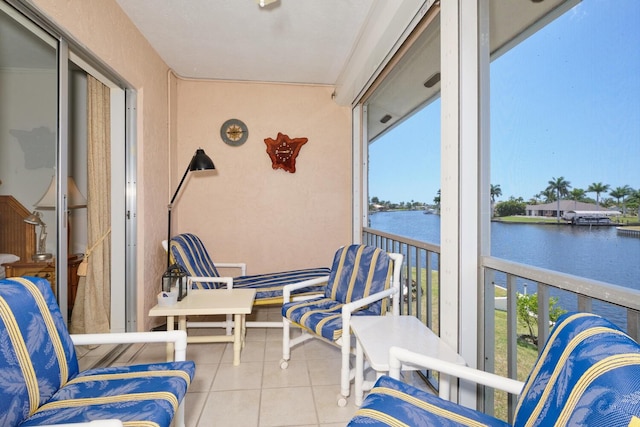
{"points": [[237, 302], [375, 335]]}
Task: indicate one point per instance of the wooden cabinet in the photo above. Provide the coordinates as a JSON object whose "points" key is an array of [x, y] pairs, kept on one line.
{"points": [[44, 269], [47, 270]]}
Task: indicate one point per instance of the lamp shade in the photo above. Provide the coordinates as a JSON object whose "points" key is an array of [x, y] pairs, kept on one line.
{"points": [[76, 199], [34, 219], [201, 161]]}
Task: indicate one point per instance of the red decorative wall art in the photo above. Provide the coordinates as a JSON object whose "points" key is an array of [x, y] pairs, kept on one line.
{"points": [[283, 151]]}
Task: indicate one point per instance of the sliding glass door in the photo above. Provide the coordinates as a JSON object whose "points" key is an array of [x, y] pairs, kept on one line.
{"points": [[48, 118], [29, 149]]}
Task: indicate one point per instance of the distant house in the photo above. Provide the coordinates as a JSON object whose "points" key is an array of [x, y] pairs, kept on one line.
{"points": [[550, 209]]}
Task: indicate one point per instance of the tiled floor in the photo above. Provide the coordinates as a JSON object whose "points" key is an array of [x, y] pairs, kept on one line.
{"points": [[258, 392]]}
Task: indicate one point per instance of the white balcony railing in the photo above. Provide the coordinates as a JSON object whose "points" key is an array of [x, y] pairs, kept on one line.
{"points": [[421, 289]]}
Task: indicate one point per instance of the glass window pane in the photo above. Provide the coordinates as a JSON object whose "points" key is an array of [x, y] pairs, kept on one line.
{"points": [[28, 123], [565, 145]]}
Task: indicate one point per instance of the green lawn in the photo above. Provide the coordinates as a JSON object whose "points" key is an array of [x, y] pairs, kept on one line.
{"points": [[527, 355]]}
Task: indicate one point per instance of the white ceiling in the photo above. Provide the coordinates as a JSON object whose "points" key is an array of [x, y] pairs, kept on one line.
{"points": [[292, 41], [312, 41]]}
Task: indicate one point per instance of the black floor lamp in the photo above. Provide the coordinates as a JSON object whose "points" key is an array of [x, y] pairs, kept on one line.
{"points": [[199, 162]]}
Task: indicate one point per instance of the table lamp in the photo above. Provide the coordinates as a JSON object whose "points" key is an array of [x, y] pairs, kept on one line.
{"points": [[36, 219], [75, 200]]}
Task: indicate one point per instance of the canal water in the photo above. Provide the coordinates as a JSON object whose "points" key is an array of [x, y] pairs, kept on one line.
{"points": [[598, 253]]}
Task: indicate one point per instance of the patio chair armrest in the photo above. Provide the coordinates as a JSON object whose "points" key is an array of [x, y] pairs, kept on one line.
{"points": [[347, 309], [287, 289], [178, 338], [228, 281], [353, 306], [399, 356], [241, 265]]}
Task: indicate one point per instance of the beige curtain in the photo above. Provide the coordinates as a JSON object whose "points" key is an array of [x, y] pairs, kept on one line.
{"points": [[92, 307]]}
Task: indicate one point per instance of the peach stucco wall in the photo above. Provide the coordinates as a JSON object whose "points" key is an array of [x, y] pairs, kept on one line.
{"points": [[245, 211]]}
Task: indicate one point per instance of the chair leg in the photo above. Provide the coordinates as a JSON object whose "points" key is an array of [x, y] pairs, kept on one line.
{"points": [[288, 343], [286, 349], [345, 372], [178, 420]]}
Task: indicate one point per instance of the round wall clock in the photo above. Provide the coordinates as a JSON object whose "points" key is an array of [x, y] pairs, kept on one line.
{"points": [[234, 132]]}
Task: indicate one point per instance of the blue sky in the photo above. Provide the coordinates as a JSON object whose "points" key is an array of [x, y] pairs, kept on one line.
{"points": [[565, 102]]}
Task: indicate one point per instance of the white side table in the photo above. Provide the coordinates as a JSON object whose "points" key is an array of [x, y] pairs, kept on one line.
{"points": [[238, 302], [375, 335]]}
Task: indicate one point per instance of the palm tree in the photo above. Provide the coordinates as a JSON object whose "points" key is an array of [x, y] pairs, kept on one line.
{"points": [[535, 199], [577, 194], [620, 193], [598, 188], [496, 192], [561, 187], [549, 195]]}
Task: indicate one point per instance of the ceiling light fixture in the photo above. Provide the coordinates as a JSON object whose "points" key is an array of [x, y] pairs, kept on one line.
{"points": [[385, 118], [431, 81], [264, 3]]}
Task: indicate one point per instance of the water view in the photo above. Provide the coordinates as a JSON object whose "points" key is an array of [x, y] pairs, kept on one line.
{"points": [[597, 253]]}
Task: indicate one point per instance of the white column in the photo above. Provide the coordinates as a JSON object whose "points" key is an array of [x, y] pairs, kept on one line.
{"points": [[461, 179], [360, 170]]}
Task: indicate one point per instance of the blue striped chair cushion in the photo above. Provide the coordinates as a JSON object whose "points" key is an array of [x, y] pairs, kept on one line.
{"points": [[357, 272], [37, 356], [39, 378], [131, 393], [269, 286], [394, 403], [190, 253], [587, 374], [322, 316]]}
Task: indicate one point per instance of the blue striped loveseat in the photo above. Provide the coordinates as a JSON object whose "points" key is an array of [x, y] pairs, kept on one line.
{"points": [[40, 381], [588, 374]]}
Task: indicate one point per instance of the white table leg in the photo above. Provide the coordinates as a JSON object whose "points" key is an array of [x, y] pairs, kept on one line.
{"points": [[244, 329], [237, 338], [170, 351], [359, 379]]}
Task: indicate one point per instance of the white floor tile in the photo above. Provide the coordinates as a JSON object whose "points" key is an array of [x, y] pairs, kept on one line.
{"points": [[295, 375], [253, 351], [326, 403], [194, 404], [325, 371], [288, 407], [239, 408], [247, 375], [206, 353], [203, 378]]}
